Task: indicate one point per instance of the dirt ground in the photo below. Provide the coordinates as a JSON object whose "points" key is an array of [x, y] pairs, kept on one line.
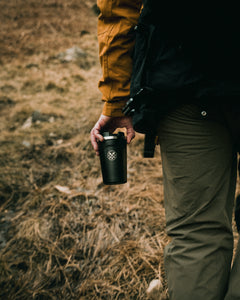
{"points": [[63, 234]]}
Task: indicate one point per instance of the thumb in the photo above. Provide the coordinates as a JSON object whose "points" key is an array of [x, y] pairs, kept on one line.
{"points": [[130, 134]]}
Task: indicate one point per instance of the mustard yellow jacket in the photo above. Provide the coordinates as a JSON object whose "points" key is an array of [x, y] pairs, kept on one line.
{"points": [[116, 23]]}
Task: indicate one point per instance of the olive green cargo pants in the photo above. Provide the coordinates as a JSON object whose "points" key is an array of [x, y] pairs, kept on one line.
{"points": [[200, 169]]}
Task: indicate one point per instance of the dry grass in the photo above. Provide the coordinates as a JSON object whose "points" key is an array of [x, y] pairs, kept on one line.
{"points": [[64, 235]]}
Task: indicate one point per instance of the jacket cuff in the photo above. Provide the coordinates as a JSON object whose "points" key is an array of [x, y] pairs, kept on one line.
{"points": [[114, 109]]}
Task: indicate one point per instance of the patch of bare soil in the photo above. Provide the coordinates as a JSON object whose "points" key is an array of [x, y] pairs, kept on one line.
{"points": [[63, 234]]}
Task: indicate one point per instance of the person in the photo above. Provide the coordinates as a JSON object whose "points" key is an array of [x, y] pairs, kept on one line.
{"points": [[179, 65]]}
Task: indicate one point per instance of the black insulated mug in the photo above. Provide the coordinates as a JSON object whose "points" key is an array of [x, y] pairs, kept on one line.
{"points": [[113, 158]]}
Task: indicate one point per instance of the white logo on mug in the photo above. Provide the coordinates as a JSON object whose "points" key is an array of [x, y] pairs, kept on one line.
{"points": [[111, 155]]}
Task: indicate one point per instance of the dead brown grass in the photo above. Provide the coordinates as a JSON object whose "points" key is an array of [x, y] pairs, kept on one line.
{"points": [[63, 234]]}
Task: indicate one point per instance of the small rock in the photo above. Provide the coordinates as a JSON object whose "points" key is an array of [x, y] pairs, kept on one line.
{"points": [[27, 123], [63, 189], [59, 142], [51, 119], [52, 135], [26, 144], [72, 54], [154, 290]]}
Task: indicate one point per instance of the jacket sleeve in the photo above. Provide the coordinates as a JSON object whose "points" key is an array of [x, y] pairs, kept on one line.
{"points": [[116, 22]]}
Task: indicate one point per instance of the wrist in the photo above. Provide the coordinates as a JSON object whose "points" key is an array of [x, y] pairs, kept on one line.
{"points": [[114, 109]]}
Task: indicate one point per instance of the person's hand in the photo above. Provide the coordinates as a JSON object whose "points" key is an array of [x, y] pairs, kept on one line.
{"points": [[110, 124]]}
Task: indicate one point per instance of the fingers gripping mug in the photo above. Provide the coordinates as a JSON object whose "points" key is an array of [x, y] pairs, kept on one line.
{"points": [[113, 158]]}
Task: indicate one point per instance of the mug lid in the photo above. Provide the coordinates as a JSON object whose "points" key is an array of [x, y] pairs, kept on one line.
{"points": [[111, 136]]}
